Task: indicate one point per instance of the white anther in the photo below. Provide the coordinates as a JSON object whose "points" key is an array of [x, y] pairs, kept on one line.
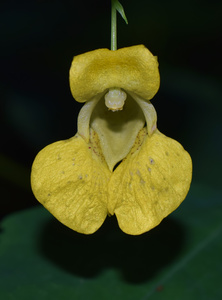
{"points": [[115, 99]]}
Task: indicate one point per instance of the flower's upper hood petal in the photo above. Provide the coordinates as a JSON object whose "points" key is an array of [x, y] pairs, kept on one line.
{"points": [[133, 69]]}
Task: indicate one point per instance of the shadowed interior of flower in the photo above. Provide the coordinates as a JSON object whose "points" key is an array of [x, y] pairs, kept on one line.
{"points": [[118, 130], [76, 180]]}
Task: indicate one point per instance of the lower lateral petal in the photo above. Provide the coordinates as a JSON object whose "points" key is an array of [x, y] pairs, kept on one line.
{"points": [[150, 183], [70, 180]]}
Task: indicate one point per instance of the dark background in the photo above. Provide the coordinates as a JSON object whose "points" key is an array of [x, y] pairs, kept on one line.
{"points": [[38, 41]]}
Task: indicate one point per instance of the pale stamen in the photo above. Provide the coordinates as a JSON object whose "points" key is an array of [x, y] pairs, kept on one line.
{"points": [[115, 99]]}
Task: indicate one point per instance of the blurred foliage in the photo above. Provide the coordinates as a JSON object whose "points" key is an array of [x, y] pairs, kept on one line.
{"points": [[38, 41], [179, 259]]}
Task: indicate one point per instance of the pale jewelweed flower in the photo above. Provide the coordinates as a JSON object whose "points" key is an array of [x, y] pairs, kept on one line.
{"points": [[118, 162]]}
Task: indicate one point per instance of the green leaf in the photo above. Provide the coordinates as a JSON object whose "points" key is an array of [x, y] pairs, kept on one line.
{"points": [[118, 6], [180, 259]]}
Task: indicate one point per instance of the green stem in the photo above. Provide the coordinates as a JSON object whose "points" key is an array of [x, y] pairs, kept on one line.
{"points": [[115, 6], [113, 27]]}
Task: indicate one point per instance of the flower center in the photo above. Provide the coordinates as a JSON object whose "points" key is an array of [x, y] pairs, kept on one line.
{"points": [[115, 99]]}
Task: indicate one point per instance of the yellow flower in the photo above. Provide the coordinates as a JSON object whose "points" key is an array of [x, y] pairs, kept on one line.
{"points": [[80, 181]]}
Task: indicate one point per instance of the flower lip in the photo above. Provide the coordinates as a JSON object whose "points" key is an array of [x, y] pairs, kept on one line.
{"points": [[132, 69]]}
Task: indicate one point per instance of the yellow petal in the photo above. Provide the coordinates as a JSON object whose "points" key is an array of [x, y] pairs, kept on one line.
{"points": [[148, 111], [134, 69], [84, 117], [150, 183], [70, 179]]}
